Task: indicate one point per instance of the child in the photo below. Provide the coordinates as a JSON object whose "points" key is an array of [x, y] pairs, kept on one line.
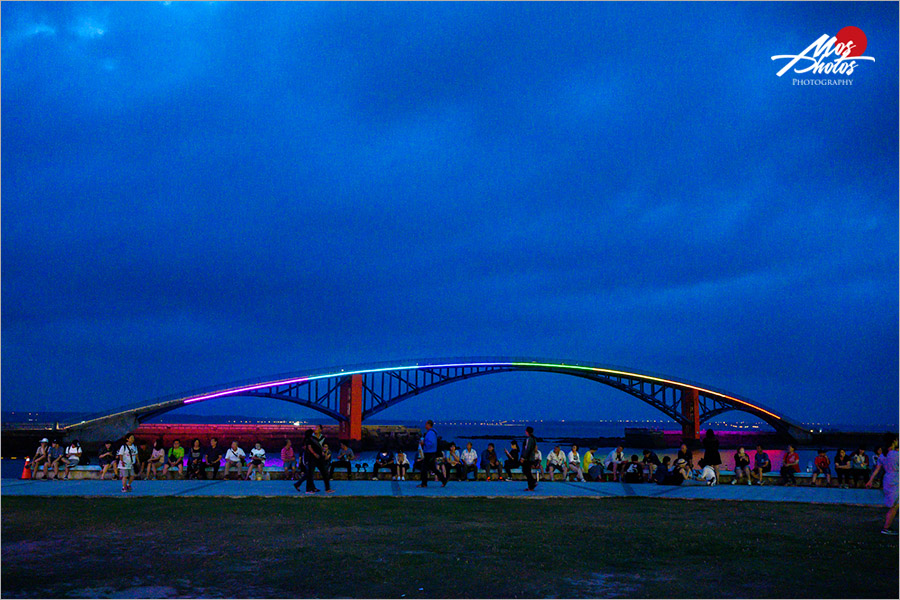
{"points": [[822, 466], [634, 472]]}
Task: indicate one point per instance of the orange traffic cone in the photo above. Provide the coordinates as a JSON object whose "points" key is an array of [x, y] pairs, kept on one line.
{"points": [[26, 470]]}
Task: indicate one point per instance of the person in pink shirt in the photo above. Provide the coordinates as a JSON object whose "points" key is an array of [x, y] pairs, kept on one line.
{"points": [[288, 459]]}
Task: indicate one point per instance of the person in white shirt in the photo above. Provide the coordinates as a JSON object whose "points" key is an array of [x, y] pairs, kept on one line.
{"points": [[128, 462], [537, 463], [469, 462], [402, 465], [234, 459], [73, 457], [556, 460], [575, 462], [257, 461], [616, 462]]}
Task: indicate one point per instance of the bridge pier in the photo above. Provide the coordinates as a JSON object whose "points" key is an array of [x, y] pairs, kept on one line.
{"points": [[690, 409], [351, 408]]}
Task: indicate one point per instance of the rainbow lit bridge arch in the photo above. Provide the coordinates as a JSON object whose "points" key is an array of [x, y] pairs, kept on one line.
{"points": [[352, 394]]}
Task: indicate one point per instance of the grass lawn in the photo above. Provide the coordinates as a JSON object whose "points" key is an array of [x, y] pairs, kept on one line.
{"points": [[442, 547]]}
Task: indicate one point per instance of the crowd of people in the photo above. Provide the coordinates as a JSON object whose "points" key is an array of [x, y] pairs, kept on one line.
{"points": [[197, 461]]}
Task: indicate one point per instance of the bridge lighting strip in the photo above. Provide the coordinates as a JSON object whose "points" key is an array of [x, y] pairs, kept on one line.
{"points": [[259, 386]]}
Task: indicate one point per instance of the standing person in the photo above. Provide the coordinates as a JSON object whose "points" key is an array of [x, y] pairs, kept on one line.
{"points": [[213, 458], [41, 459], [575, 462], [889, 465], [512, 459], [128, 462], [711, 455], [430, 450], [322, 459], [345, 455], [761, 465], [194, 460], [527, 458], [107, 458], [289, 461], [303, 466], [790, 466]]}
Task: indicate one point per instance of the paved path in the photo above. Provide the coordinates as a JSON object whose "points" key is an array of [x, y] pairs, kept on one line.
{"points": [[516, 489]]}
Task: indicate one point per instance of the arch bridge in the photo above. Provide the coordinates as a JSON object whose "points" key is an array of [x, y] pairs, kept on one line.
{"points": [[351, 395]]}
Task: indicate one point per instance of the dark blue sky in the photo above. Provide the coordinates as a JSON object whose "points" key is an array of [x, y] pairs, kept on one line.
{"points": [[197, 194]]}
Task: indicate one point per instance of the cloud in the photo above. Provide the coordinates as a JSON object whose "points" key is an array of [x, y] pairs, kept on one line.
{"points": [[89, 29]]}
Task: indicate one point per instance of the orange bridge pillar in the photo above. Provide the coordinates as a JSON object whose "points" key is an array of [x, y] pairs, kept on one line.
{"points": [[351, 407], [690, 408]]}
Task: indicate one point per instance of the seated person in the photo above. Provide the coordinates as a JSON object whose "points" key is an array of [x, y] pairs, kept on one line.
{"points": [[56, 457], [213, 458], [634, 471], [452, 461], [155, 460], [842, 468], [761, 465], [680, 472], [651, 461], [878, 474], [107, 459], [234, 460], [741, 466], [345, 455], [708, 475], [662, 471], [574, 458], [790, 466], [556, 461], [490, 462], [536, 464], [469, 458], [687, 455], [194, 460], [41, 459], [257, 461], [402, 465], [821, 466], [289, 461], [859, 467], [592, 465], [73, 457], [384, 460], [512, 458], [175, 459], [616, 462]]}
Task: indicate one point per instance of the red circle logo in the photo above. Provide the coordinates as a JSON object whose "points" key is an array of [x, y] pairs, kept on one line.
{"points": [[852, 37]]}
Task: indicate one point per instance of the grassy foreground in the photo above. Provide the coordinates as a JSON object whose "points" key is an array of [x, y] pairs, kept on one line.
{"points": [[441, 547]]}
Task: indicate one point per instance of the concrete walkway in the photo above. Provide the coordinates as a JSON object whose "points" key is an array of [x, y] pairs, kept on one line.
{"points": [[484, 489]]}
